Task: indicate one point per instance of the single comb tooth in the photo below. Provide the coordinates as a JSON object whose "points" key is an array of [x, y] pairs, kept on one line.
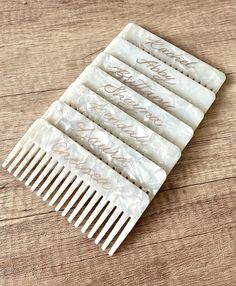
{"points": [[49, 179], [114, 231], [18, 158], [34, 161], [88, 208], [65, 184], [101, 219], [69, 192], [44, 173], [82, 202], [122, 236], [43, 161], [109, 223], [55, 184], [94, 214], [26, 160], [76, 196]]}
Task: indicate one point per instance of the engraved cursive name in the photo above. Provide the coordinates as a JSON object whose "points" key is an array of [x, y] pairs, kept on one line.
{"points": [[128, 103], [139, 85], [160, 75], [159, 46], [99, 108], [85, 134], [62, 149]]}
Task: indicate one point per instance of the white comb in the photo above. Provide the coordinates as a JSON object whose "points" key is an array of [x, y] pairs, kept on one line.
{"points": [[101, 153], [150, 89], [163, 74], [136, 105], [123, 126], [62, 168], [191, 66], [118, 155]]}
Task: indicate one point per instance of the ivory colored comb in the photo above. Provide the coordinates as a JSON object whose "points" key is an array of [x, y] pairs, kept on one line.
{"points": [[102, 152], [58, 167], [196, 69], [118, 155], [123, 126], [136, 105]]}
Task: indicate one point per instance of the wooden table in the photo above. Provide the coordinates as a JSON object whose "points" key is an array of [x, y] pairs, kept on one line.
{"points": [[187, 235]]}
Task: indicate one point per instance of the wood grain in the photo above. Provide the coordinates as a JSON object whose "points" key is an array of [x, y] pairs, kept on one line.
{"points": [[187, 235]]}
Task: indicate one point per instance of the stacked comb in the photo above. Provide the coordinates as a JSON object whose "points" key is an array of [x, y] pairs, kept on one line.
{"points": [[101, 153]]}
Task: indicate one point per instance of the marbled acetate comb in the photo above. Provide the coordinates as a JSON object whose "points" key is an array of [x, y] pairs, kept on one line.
{"points": [[101, 153]]}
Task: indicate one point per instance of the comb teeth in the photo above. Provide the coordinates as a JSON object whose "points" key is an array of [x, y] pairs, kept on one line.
{"points": [[108, 224], [101, 219], [88, 208], [55, 173], [18, 158], [47, 170], [115, 230], [122, 236], [88, 193], [82, 188], [38, 156], [63, 187], [94, 214], [57, 167], [55, 184], [26, 159], [68, 193], [43, 160]]}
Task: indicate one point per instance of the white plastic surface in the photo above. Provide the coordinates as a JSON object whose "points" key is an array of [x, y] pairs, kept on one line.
{"points": [[174, 56], [163, 74], [136, 105], [123, 126], [150, 89]]}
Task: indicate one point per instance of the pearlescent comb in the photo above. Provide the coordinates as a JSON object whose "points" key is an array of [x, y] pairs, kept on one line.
{"points": [[66, 173], [101, 153], [150, 89], [189, 65], [162, 73], [136, 105], [118, 155], [123, 126]]}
